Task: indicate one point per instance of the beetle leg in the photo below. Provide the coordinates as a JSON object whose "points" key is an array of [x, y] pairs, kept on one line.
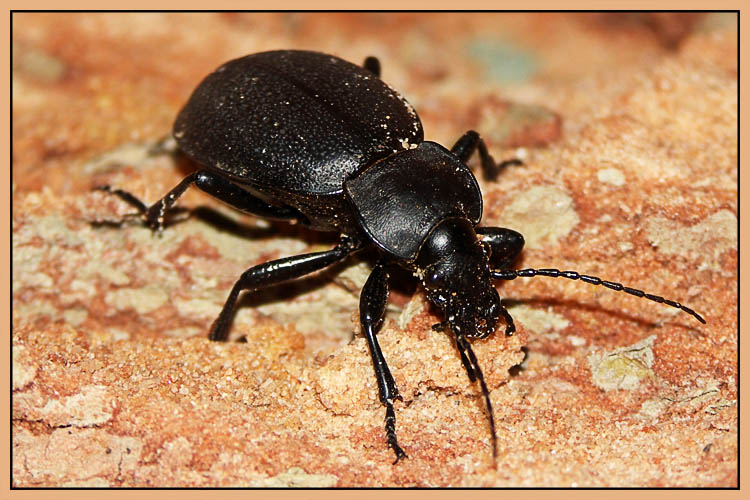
{"points": [[278, 271], [372, 65], [213, 184], [372, 302], [440, 327], [127, 198], [153, 215], [235, 196], [510, 326], [465, 146], [506, 244]]}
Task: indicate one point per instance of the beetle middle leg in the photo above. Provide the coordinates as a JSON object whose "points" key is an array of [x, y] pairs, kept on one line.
{"points": [[213, 184], [372, 302], [468, 143], [278, 271]]}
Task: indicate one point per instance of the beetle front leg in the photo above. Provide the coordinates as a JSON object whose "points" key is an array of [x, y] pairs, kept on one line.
{"points": [[468, 143], [372, 302], [506, 245], [217, 186], [278, 271], [510, 325]]}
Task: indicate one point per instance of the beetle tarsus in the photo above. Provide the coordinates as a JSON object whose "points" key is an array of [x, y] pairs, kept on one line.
{"points": [[213, 184], [390, 432], [128, 198], [124, 196], [471, 141], [155, 215]]}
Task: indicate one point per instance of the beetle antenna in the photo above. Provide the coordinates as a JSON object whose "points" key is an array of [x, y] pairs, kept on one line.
{"points": [[511, 274], [471, 364]]}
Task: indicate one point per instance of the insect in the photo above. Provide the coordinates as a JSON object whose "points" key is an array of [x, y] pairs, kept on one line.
{"points": [[310, 138]]}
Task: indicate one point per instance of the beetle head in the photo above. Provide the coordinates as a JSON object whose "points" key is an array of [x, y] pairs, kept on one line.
{"points": [[454, 268]]}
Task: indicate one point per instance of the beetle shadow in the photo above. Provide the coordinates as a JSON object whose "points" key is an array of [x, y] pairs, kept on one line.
{"points": [[243, 229], [516, 370], [593, 308]]}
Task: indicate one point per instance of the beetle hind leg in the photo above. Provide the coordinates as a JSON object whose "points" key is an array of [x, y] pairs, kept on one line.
{"points": [[372, 302], [372, 64], [214, 184], [128, 198]]}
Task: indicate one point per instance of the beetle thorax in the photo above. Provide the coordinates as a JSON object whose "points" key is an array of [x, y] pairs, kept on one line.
{"points": [[454, 269]]}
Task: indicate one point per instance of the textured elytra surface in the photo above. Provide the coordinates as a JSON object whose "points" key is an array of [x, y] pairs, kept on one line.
{"points": [[296, 121], [115, 383]]}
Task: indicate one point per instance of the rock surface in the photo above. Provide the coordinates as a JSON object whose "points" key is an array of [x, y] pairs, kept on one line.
{"points": [[630, 173]]}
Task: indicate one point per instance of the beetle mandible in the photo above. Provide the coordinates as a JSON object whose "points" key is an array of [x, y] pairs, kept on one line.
{"points": [[310, 138]]}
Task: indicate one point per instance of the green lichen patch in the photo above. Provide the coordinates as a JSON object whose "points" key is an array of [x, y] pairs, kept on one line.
{"points": [[623, 368]]}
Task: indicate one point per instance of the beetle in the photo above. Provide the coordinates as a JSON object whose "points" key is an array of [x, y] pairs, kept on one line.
{"points": [[309, 138]]}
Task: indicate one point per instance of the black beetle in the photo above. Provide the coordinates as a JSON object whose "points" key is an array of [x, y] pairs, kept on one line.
{"points": [[310, 138]]}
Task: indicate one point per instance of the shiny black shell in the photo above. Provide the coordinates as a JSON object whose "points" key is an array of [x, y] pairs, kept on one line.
{"points": [[401, 198], [294, 121], [331, 140]]}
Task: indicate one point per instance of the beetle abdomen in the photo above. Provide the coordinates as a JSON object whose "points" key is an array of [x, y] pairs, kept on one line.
{"points": [[294, 120]]}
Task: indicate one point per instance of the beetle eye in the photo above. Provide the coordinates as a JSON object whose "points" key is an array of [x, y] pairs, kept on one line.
{"points": [[435, 279]]}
